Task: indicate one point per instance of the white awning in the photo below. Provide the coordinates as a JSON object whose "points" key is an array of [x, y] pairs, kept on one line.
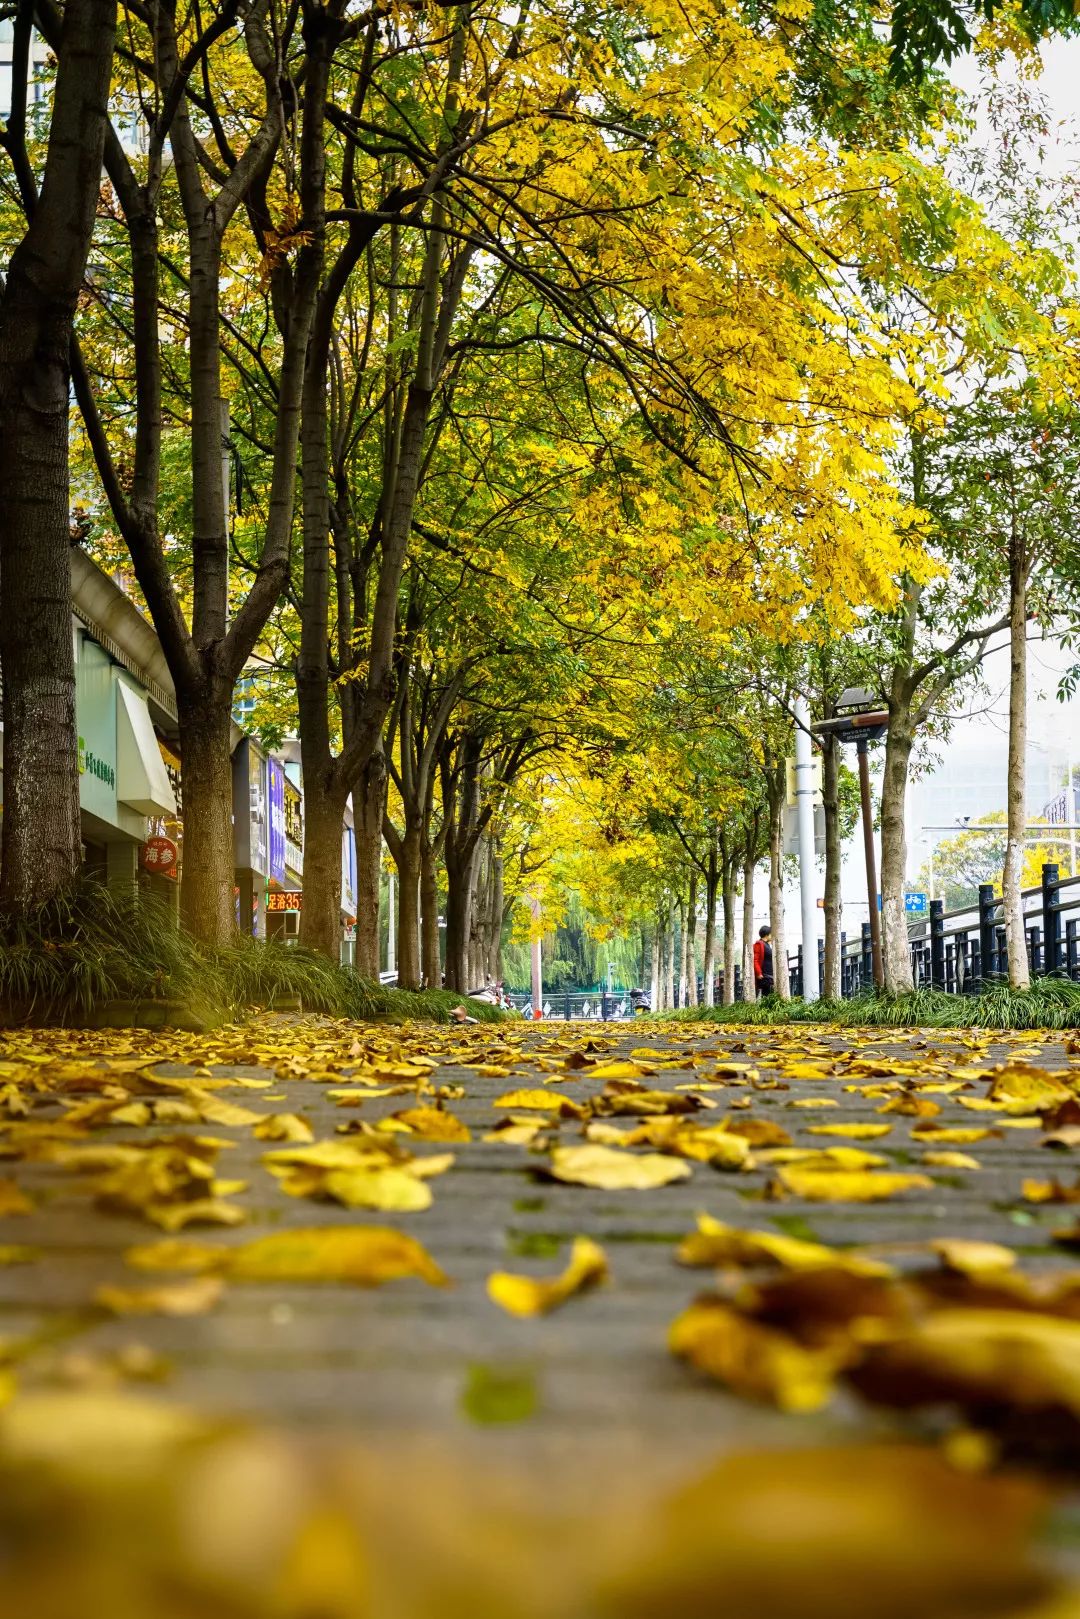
{"points": [[142, 781]]}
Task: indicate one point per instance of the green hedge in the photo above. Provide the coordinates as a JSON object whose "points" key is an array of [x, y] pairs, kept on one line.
{"points": [[1050, 1003], [95, 945]]}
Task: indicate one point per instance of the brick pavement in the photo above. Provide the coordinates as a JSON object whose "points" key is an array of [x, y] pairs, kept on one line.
{"points": [[396, 1360]]}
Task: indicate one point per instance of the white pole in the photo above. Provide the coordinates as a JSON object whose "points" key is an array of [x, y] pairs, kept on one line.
{"points": [[391, 918], [537, 964], [226, 489], [804, 806]]}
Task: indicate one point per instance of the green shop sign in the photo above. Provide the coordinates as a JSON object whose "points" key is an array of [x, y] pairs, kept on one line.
{"points": [[91, 765]]}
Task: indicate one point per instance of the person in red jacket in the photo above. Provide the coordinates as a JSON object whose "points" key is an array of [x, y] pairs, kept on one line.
{"points": [[763, 962]]}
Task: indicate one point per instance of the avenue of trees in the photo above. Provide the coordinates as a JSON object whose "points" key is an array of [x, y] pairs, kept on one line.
{"points": [[596, 379]]}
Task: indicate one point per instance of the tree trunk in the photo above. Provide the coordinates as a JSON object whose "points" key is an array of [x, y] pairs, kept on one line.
{"points": [[776, 898], [369, 806], [207, 904], [691, 940], [708, 968], [407, 857], [654, 979], [669, 956], [320, 920], [1012, 878], [749, 988], [830, 799], [495, 946], [896, 956], [42, 844], [429, 914], [728, 880]]}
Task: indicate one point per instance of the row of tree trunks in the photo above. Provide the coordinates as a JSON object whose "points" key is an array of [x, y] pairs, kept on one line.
{"points": [[42, 839]]}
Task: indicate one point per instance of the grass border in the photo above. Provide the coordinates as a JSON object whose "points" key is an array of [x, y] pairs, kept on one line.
{"points": [[1050, 1003]]}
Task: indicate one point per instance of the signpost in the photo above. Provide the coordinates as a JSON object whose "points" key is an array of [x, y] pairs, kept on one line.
{"points": [[859, 718], [916, 904]]}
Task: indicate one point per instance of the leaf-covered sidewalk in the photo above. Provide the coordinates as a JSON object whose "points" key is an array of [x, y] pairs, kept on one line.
{"points": [[594, 1257]]}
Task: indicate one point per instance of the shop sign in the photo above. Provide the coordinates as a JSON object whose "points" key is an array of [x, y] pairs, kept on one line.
{"points": [[159, 854], [91, 765], [291, 900], [294, 827], [275, 780]]}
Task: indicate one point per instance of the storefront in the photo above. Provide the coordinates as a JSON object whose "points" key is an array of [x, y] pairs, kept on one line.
{"points": [[123, 782], [251, 836]]}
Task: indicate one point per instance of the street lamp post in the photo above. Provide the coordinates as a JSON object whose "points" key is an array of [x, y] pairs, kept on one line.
{"points": [[861, 720]]}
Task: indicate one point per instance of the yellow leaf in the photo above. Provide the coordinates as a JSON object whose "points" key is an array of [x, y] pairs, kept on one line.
{"points": [[856, 1132], [611, 1170], [847, 1186], [13, 1200], [959, 1136], [542, 1102], [715, 1244], [752, 1359], [528, 1296], [969, 1257], [433, 1124], [384, 1189], [193, 1297], [950, 1160], [283, 1127], [364, 1255]]}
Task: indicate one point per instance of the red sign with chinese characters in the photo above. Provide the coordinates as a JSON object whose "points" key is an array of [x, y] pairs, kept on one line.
{"points": [[291, 900], [159, 854]]}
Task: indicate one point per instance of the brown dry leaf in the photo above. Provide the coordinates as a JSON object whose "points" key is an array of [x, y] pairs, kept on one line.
{"points": [[752, 1359], [530, 1296], [845, 1186], [433, 1124], [283, 1127], [1009, 1359], [611, 1170], [969, 1257], [193, 1297], [1067, 1137], [715, 1244], [854, 1130], [643, 1104], [827, 1533]]}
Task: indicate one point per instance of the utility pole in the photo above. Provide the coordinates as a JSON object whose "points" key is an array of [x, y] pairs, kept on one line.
{"points": [[804, 807], [537, 962], [862, 749]]}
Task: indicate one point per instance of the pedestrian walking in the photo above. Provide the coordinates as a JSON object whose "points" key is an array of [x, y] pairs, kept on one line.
{"points": [[764, 978]]}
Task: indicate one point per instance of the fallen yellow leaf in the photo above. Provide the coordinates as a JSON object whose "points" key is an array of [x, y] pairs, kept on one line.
{"points": [[530, 1296], [752, 1359], [609, 1169]]}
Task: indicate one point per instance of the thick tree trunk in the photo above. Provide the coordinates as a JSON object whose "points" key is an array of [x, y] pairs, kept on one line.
{"points": [[831, 806], [369, 806], [207, 904], [749, 988], [708, 969], [728, 885], [669, 955], [896, 955], [495, 945], [1012, 878], [429, 915], [320, 920], [691, 940], [42, 841], [776, 898], [654, 968], [407, 857], [42, 847], [460, 893]]}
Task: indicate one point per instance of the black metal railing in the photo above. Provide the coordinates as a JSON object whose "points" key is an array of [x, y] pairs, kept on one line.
{"points": [[964, 951]]}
